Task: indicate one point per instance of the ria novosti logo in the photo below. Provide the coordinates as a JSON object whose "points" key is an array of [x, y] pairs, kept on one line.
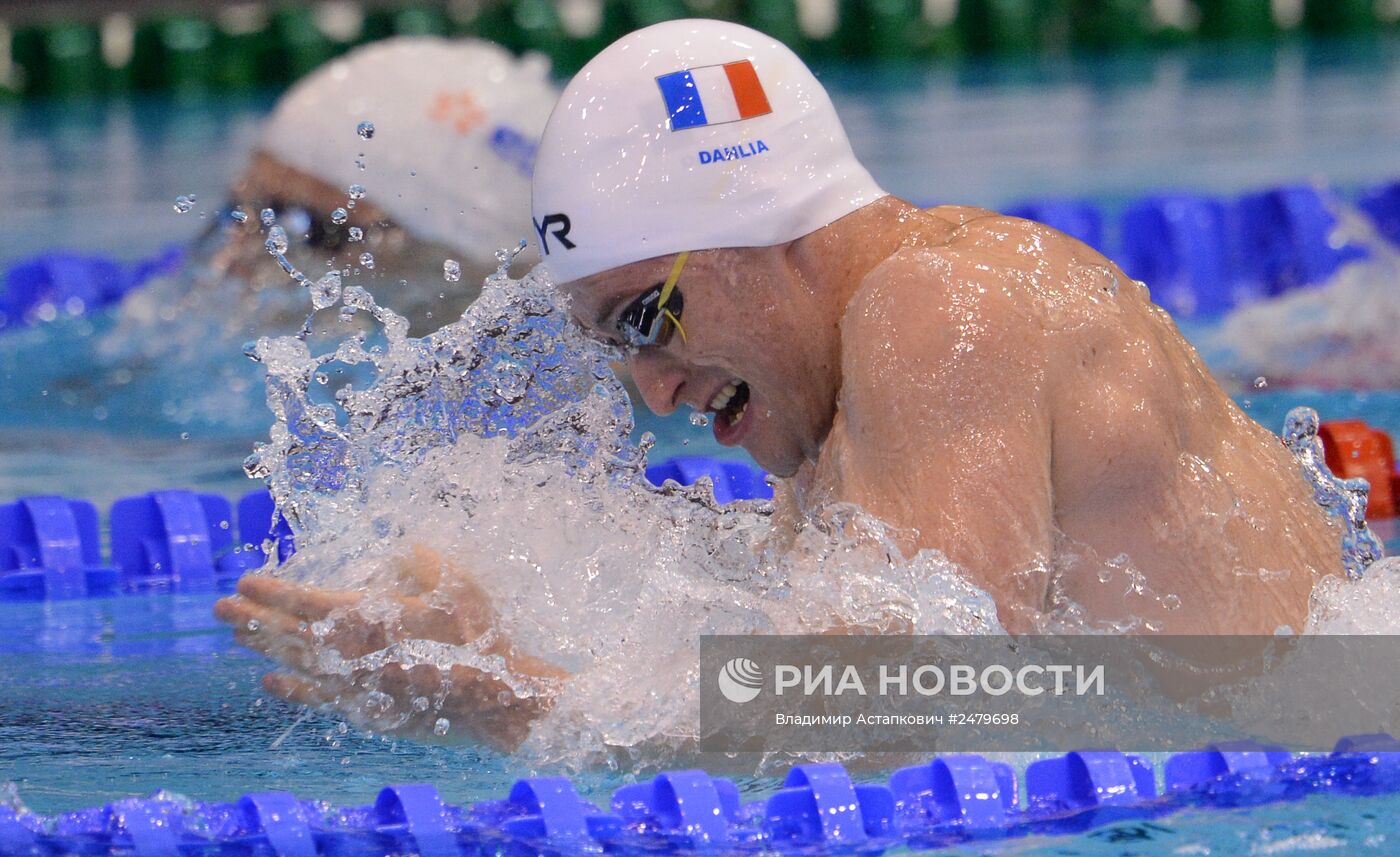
{"points": [[740, 680]]}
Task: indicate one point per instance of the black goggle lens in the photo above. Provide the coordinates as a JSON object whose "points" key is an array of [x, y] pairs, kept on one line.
{"points": [[646, 322]]}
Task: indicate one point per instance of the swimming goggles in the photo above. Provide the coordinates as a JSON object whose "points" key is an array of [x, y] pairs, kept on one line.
{"points": [[303, 225], [651, 318]]}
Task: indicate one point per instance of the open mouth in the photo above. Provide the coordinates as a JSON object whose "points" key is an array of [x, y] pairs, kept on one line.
{"points": [[729, 405]]}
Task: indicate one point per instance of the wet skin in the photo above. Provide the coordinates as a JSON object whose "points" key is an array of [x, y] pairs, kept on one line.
{"points": [[1008, 394], [1000, 391]]}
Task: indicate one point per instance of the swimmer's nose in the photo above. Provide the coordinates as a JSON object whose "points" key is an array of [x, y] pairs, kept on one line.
{"points": [[658, 380]]}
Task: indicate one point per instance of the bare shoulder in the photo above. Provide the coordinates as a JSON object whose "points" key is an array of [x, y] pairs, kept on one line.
{"points": [[930, 325], [941, 413], [931, 296], [959, 214]]}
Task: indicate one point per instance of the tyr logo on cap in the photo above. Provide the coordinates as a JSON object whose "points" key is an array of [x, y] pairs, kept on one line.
{"points": [[561, 234]]}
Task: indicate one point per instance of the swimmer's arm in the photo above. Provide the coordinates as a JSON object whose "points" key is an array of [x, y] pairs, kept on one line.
{"points": [[945, 423]]}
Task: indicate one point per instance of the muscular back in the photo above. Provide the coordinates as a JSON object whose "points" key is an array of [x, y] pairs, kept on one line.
{"points": [[1013, 396]]}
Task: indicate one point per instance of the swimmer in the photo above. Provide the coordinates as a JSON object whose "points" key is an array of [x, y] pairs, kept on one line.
{"points": [[441, 134], [998, 391], [445, 171]]}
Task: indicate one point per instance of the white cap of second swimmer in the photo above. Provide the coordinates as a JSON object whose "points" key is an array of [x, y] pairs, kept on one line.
{"points": [[689, 135], [456, 123]]}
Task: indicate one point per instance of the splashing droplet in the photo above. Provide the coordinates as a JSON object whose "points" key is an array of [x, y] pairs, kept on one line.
{"points": [[356, 192], [367, 260], [441, 726], [277, 241], [1261, 382], [239, 215], [700, 419], [1341, 498], [254, 624], [451, 270], [339, 216], [184, 203], [365, 130], [326, 290], [511, 380], [356, 234], [267, 216]]}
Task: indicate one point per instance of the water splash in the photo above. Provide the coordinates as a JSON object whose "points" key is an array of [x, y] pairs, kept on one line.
{"points": [[502, 442], [1342, 498], [10, 799]]}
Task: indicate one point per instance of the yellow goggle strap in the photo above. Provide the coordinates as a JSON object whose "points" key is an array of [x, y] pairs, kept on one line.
{"points": [[670, 286]]}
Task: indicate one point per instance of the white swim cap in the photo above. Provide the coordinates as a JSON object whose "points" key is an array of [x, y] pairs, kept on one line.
{"points": [[689, 135], [464, 115]]}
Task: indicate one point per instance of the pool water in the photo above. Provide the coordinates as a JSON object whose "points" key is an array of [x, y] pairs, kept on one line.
{"points": [[120, 697]]}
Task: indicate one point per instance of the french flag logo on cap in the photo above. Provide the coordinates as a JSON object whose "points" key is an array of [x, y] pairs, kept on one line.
{"points": [[713, 95]]}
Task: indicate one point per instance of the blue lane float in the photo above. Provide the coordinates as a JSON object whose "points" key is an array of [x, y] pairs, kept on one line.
{"points": [[1382, 204], [819, 809], [177, 540], [182, 541], [685, 809], [1202, 254], [1286, 237], [1179, 245], [956, 793], [50, 547], [49, 285]]}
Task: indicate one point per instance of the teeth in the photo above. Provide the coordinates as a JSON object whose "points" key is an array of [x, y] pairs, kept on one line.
{"points": [[721, 399], [740, 415]]}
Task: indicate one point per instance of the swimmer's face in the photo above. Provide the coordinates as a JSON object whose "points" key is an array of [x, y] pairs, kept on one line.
{"points": [[755, 355], [304, 206]]}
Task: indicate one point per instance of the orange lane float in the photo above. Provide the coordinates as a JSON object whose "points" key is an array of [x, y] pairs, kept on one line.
{"points": [[1354, 449]]}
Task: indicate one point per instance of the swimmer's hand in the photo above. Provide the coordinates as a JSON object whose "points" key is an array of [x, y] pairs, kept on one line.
{"points": [[332, 648]]}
